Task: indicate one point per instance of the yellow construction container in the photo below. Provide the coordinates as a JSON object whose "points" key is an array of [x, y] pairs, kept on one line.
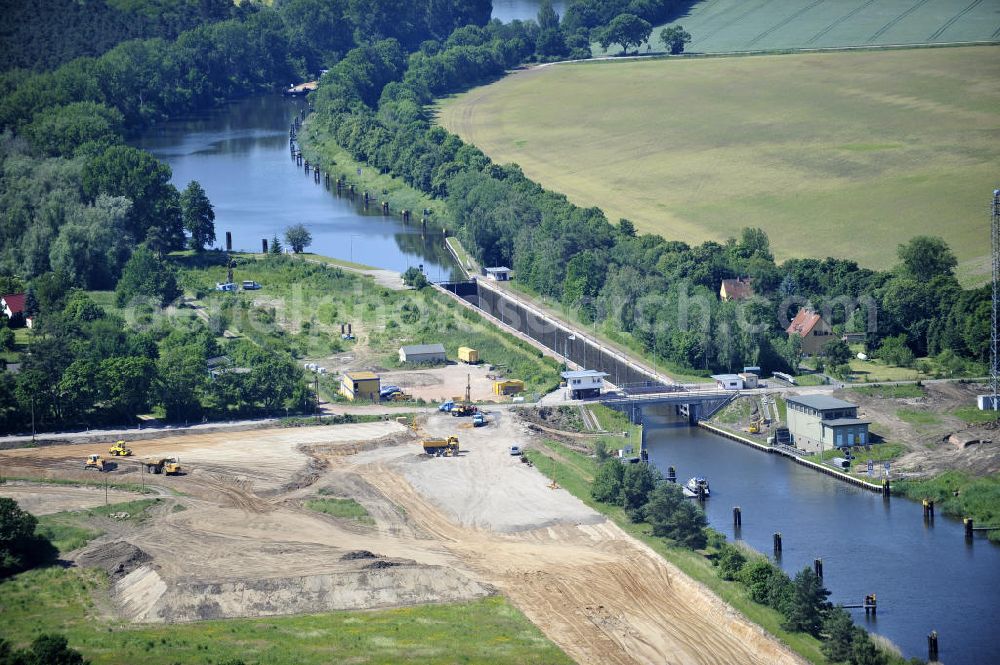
{"points": [[360, 385], [508, 387], [468, 355]]}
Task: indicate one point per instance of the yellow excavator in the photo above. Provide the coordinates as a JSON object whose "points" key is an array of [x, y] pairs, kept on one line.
{"points": [[756, 423]]}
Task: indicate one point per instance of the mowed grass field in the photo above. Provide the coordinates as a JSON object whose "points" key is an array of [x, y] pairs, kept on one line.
{"points": [[833, 154], [749, 25]]}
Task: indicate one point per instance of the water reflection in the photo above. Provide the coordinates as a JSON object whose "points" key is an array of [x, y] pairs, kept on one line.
{"points": [[927, 577], [239, 153]]}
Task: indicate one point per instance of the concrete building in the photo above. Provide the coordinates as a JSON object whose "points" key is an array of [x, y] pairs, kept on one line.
{"points": [[422, 353], [821, 422], [584, 383], [750, 380], [360, 385], [736, 289], [728, 381], [498, 274], [812, 329]]}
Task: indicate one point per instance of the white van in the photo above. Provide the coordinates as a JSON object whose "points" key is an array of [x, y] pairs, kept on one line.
{"points": [[515, 450]]}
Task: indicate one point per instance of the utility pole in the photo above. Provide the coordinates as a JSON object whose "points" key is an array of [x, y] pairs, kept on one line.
{"points": [[994, 331]]}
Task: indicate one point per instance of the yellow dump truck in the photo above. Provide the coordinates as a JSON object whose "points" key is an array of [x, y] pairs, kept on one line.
{"points": [[468, 355], [119, 450], [441, 447], [508, 387], [170, 466]]}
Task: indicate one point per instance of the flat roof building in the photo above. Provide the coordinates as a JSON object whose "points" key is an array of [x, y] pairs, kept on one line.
{"points": [[584, 383], [498, 274], [360, 385], [821, 422]]}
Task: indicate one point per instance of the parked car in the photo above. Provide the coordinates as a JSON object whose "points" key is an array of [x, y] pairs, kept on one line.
{"points": [[447, 406], [388, 391], [515, 450], [478, 420], [250, 285], [228, 286]]}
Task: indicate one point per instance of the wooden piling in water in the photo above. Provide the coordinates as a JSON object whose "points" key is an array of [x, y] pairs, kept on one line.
{"points": [[886, 489], [969, 527], [671, 474], [777, 544], [737, 517], [818, 568], [263, 245], [229, 241], [928, 509], [932, 646]]}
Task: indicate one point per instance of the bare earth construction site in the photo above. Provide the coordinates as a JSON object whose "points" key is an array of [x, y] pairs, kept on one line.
{"points": [[233, 538]]}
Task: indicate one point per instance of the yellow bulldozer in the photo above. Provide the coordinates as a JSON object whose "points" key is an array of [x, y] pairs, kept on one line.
{"points": [[441, 447], [95, 463], [170, 466], [119, 450]]}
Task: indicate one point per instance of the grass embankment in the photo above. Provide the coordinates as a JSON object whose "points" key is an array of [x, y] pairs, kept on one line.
{"points": [[977, 497], [302, 304], [72, 529], [319, 145], [575, 473], [348, 509], [906, 390], [63, 600], [805, 148]]}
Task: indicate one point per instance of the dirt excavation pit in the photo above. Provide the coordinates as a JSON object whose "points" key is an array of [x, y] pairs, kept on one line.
{"points": [[244, 543]]}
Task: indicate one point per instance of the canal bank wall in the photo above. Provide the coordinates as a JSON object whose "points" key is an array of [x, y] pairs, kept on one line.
{"points": [[822, 468]]}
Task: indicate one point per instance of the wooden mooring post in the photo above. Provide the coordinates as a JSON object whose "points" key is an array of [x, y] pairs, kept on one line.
{"points": [[932, 646], [818, 568], [671, 474], [777, 544], [928, 505], [737, 517], [263, 245], [969, 527]]}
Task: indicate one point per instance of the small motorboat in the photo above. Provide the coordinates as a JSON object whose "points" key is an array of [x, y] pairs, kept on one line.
{"points": [[697, 486]]}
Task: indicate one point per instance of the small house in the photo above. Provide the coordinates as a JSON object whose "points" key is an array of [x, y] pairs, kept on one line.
{"points": [[12, 306], [499, 274], [812, 329], [584, 383], [360, 385], [728, 381], [750, 380], [821, 422], [736, 289], [422, 353]]}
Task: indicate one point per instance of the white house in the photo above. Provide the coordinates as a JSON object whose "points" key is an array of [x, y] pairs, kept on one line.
{"points": [[728, 381], [499, 274], [422, 353], [584, 383]]}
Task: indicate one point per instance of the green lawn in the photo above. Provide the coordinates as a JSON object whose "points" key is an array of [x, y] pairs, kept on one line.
{"points": [[575, 472], [63, 600], [916, 417], [825, 152], [343, 508]]}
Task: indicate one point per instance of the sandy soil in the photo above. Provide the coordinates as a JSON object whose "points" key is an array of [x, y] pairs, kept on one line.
{"points": [[48, 499], [446, 529], [443, 383]]}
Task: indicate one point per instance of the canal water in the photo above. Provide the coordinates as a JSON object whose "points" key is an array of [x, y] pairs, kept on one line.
{"points": [[523, 10], [239, 153], [925, 577]]}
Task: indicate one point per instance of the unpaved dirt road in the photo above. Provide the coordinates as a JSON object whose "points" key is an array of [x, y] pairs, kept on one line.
{"points": [[594, 590], [47, 499], [243, 542]]}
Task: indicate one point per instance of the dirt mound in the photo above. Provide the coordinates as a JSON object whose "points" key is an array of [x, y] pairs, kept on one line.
{"points": [[358, 554], [118, 558], [380, 564], [143, 597]]}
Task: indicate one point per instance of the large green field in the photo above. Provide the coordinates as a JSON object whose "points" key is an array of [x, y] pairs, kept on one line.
{"points": [[749, 25], [833, 154]]}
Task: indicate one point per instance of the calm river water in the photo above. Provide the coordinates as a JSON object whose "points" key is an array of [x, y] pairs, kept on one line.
{"points": [[925, 577], [239, 153], [524, 10]]}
